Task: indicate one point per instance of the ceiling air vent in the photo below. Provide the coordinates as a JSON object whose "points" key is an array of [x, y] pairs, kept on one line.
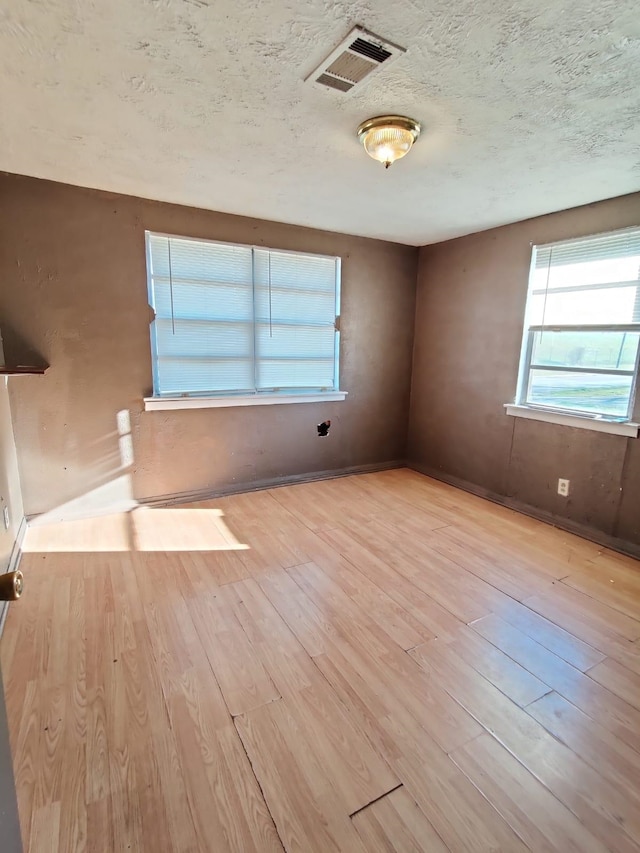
{"points": [[354, 60]]}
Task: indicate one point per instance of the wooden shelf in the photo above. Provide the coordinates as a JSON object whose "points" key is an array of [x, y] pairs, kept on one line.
{"points": [[23, 370]]}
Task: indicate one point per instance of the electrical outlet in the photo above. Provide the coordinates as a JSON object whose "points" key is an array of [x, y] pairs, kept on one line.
{"points": [[5, 515], [563, 488]]}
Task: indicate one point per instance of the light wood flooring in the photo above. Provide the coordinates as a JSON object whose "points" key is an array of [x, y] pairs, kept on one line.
{"points": [[374, 663]]}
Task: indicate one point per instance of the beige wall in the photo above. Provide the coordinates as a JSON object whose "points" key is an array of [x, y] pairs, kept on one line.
{"points": [[9, 480], [73, 288], [469, 317]]}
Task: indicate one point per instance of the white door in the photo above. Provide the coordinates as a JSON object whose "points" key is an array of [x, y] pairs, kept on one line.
{"points": [[9, 826], [10, 588]]}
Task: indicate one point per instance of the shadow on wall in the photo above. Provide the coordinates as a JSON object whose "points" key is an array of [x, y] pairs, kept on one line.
{"points": [[114, 460], [108, 518]]}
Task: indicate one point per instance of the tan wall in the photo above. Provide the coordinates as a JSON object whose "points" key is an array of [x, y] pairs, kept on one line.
{"points": [[73, 287], [9, 480], [469, 318]]}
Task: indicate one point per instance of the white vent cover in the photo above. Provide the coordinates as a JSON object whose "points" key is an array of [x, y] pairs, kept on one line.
{"points": [[354, 60]]}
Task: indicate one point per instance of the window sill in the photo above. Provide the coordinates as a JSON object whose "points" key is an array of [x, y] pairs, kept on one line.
{"points": [[627, 428], [163, 404]]}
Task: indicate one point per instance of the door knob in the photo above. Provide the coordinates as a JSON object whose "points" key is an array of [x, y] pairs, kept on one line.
{"points": [[11, 584]]}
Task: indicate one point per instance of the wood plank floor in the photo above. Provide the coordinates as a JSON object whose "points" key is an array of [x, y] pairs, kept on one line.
{"points": [[375, 663]]}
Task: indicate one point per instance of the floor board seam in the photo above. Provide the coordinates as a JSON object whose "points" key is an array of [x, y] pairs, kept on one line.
{"points": [[593, 597], [259, 784], [494, 806], [168, 718], [343, 705], [376, 800]]}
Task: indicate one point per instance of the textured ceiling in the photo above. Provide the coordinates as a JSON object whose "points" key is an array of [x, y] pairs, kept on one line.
{"points": [[527, 107]]}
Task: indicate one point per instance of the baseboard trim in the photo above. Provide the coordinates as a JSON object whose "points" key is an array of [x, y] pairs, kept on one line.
{"points": [[630, 549], [14, 562], [272, 483]]}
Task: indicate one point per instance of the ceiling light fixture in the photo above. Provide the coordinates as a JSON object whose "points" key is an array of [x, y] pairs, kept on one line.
{"points": [[388, 138]]}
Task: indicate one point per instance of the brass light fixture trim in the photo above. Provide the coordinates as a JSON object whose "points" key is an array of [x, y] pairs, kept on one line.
{"points": [[388, 138]]}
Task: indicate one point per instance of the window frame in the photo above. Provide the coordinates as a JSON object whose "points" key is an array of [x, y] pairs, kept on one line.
{"points": [[523, 407], [213, 399]]}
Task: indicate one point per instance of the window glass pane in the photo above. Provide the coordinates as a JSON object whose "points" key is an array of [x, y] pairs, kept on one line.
{"points": [[279, 341], [624, 243], [587, 392], [200, 261], [295, 306], [584, 282], [184, 339], [295, 288], [295, 315], [203, 301], [591, 272], [578, 308], [207, 297], [295, 373], [311, 273], [602, 350], [590, 280], [295, 356], [199, 376]]}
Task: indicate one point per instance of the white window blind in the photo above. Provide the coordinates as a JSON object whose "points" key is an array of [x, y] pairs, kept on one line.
{"points": [[582, 326], [234, 319]]}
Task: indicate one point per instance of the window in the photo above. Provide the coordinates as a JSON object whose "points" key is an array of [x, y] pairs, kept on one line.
{"points": [[240, 321], [582, 327]]}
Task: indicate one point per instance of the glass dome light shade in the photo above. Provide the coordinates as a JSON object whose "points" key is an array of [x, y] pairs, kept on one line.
{"points": [[388, 138]]}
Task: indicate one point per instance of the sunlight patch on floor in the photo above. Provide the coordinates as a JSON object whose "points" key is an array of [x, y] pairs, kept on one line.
{"points": [[141, 529], [102, 533], [176, 529]]}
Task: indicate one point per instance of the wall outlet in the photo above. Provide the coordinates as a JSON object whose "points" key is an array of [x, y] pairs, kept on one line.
{"points": [[5, 515], [563, 488]]}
